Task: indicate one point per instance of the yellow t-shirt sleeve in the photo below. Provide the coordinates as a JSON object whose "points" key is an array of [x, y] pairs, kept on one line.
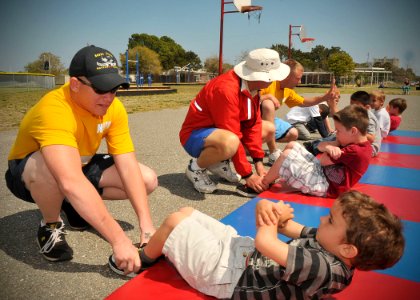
{"points": [[292, 98]]}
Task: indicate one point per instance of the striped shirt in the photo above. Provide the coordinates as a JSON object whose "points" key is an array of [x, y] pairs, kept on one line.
{"points": [[311, 273]]}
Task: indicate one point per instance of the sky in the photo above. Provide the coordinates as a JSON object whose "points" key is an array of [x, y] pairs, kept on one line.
{"points": [[365, 29]]}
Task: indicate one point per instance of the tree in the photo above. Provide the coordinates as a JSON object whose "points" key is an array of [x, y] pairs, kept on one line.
{"points": [[319, 55], [193, 60], [282, 50], [46, 59], [212, 65], [340, 63], [170, 53], [148, 60]]}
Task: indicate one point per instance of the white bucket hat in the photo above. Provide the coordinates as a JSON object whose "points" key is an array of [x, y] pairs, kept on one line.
{"points": [[262, 65]]}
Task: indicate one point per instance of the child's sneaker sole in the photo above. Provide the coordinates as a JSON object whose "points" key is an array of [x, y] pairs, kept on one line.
{"points": [[246, 191], [114, 267]]}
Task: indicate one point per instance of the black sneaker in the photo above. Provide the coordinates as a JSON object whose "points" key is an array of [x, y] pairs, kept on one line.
{"points": [[74, 220], [246, 191], [52, 243], [308, 146], [144, 265]]}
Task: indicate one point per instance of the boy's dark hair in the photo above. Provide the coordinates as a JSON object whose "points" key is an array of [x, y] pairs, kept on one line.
{"points": [[361, 97], [373, 230], [324, 110], [399, 103], [353, 116]]}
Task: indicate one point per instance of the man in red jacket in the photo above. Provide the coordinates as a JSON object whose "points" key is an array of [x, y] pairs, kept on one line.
{"points": [[224, 119]]}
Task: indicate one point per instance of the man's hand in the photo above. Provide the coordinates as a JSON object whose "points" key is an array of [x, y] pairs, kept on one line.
{"points": [[255, 183], [272, 99], [259, 167], [126, 257], [332, 96], [146, 234]]}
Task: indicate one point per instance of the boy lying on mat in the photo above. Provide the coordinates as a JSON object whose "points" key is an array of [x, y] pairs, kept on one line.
{"points": [[341, 165], [359, 233]]}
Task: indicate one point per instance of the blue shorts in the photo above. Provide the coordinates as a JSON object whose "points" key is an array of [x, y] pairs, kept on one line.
{"points": [[195, 143], [282, 128]]}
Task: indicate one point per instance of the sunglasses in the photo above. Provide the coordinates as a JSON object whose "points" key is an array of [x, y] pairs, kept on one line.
{"points": [[98, 91]]}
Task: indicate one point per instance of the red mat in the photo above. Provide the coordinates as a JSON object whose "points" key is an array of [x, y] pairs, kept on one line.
{"points": [[396, 160], [160, 282], [376, 286], [402, 140], [163, 282]]}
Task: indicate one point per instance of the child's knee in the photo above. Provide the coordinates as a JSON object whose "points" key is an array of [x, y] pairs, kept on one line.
{"points": [[150, 179], [293, 134], [187, 210], [290, 145], [174, 219]]}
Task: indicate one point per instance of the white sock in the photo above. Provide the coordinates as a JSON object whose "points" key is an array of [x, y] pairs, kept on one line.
{"points": [[194, 165], [43, 222]]}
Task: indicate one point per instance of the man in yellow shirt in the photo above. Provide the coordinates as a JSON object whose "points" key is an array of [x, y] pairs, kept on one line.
{"points": [[279, 93], [54, 158]]}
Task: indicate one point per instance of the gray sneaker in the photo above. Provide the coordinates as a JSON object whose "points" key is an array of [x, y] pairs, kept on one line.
{"points": [[224, 171], [273, 157], [200, 180]]}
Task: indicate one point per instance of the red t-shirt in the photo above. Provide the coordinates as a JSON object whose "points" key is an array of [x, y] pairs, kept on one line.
{"points": [[395, 122], [348, 168]]}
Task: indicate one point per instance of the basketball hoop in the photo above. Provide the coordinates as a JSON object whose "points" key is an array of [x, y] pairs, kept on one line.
{"points": [[252, 10], [241, 6], [308, 42], [302, 37]]}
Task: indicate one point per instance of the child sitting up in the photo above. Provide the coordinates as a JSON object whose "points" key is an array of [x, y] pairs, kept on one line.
{"points": [[341, 165], [307, 119], [358, 233], [373, 135], [378, 100], [395, 109]]}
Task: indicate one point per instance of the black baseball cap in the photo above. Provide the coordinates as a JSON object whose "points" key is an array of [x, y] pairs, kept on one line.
{"points": [[99, 66]]}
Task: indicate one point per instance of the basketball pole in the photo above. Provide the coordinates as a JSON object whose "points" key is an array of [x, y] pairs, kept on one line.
{"points": [[289, 53], [222, 13]]}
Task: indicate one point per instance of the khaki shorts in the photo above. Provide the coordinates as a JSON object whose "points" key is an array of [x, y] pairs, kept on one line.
{"points": [[209, 255]]}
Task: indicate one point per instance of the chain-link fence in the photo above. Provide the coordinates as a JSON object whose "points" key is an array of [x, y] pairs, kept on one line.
{"points": [[27, 80]]}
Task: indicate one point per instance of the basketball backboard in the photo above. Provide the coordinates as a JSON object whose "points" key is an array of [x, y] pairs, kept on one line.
{"points": [[239, 4]]}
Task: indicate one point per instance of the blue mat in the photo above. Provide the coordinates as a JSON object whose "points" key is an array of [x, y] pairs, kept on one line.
{"points": [[407, 133], [392, 176], [400, 148]]}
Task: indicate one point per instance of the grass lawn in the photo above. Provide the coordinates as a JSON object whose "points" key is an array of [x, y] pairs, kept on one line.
{"points": [[15, 102]]}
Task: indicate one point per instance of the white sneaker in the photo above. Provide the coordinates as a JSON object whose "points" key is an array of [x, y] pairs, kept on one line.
{"points": [[224, 171], [200, 180], [273, 157]]}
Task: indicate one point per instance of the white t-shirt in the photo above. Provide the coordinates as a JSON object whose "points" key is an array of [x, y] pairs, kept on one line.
{"points": [[384, 121], [302, 114]]}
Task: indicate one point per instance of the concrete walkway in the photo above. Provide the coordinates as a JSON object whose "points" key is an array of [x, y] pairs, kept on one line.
{"points": [[26, 275]]}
